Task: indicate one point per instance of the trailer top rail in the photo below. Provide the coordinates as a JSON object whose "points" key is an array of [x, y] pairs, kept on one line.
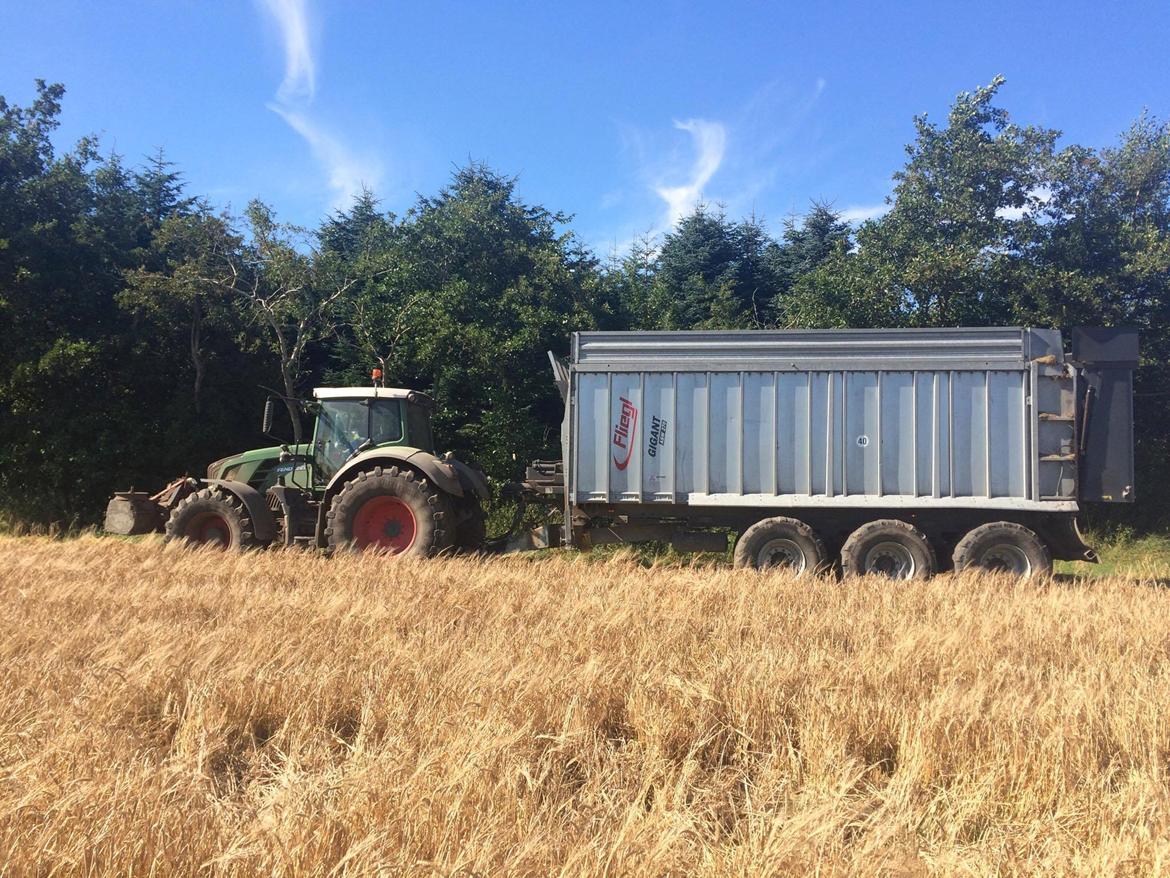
{"points": [[995, 348]]}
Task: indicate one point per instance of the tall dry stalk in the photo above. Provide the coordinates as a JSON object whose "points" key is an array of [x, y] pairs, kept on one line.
{"points": [[172, 712]]}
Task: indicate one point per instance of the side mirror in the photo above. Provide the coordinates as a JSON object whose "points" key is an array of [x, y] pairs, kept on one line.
{"points": [[269, 411]]}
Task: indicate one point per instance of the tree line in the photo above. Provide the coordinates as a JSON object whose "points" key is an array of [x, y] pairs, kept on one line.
{"points": [[142, 327]]}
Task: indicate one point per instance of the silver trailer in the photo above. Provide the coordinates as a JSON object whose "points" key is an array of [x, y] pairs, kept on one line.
{"points": [[895, 451]]}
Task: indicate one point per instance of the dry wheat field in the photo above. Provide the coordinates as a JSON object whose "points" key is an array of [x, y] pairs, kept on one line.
{"points": [[172, 712]]}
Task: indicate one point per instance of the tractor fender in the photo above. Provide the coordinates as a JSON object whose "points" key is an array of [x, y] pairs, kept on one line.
{"points": [[442, 475], [472, 480], [263, 521]]}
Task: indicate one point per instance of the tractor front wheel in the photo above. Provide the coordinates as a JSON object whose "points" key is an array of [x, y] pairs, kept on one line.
{"points": [[388, 510], [212, 517]]}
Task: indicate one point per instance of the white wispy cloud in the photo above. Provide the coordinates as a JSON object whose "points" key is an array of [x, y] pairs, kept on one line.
{"points": [[346, 171], [710, 142], [734, 161], [300, 68], [861, 213]]}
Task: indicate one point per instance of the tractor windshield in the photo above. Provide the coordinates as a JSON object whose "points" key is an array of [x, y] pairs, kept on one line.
{"points": [[345, 425]]}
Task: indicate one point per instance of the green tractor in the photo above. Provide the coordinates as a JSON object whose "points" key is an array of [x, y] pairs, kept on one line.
{"points": [[368, 479]]}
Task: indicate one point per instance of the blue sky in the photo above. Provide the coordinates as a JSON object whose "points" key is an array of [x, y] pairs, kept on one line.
{"points": [[621, 114]]}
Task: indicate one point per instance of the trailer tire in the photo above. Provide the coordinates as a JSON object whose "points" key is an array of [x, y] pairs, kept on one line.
{"points": [[1003, 547], [390, 510], [780, 543], [889, 547], [212, 517]]}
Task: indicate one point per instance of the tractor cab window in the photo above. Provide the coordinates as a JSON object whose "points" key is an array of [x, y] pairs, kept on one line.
{"points": [[385, 421], [418, 423], [344, 426]]}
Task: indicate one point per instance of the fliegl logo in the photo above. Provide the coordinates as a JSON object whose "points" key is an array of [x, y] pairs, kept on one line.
{"points": [[624, 433]]}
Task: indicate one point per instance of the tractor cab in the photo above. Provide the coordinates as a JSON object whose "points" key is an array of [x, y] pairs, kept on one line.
{"points": [[352, 420]]}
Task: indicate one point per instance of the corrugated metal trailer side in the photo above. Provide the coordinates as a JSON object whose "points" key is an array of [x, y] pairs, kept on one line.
{"points": [[933, 418]]}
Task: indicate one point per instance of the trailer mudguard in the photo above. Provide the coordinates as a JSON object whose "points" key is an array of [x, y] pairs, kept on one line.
{"points": [[263, 521]]}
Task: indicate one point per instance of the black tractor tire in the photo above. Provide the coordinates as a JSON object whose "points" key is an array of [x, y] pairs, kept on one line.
{"points": [[889, 547], [1003, 547], [471, 527], [212, 517], [777, 543], [391, 510]]}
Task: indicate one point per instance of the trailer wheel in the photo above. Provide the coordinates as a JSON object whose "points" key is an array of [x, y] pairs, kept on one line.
{"points": [[1003, 547], [212, 517], [389, 510], [780, 543], [889, 547]]}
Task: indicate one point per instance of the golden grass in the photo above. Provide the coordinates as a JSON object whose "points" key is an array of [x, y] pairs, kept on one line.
{"points": [[173, 712]]}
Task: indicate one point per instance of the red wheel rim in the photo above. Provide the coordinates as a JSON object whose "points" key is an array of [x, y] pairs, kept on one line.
{"points": [[211, 529], [384, 523]]}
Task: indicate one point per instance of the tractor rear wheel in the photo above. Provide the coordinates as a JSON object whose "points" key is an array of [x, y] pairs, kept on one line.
{"points": [[389, 510], [212, 517]]}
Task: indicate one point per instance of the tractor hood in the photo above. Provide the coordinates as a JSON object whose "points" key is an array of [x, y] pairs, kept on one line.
{"points": [[219, 469], [259, 467]]}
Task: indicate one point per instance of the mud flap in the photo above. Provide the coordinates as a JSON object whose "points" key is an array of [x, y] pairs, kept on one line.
{"points": [[1066, 541]]}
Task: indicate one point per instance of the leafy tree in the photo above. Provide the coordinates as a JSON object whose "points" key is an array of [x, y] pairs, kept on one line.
{"points": [[629, 283], [159, 189], [1095, 245], [59, 346], [374, 317], [820, 235], [288, 285], [92, 397], [174, 285], [714, 273], [942, 254], [846, 290]]}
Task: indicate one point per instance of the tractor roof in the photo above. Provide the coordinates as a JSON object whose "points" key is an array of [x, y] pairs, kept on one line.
{"points": [[361, 392]]}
